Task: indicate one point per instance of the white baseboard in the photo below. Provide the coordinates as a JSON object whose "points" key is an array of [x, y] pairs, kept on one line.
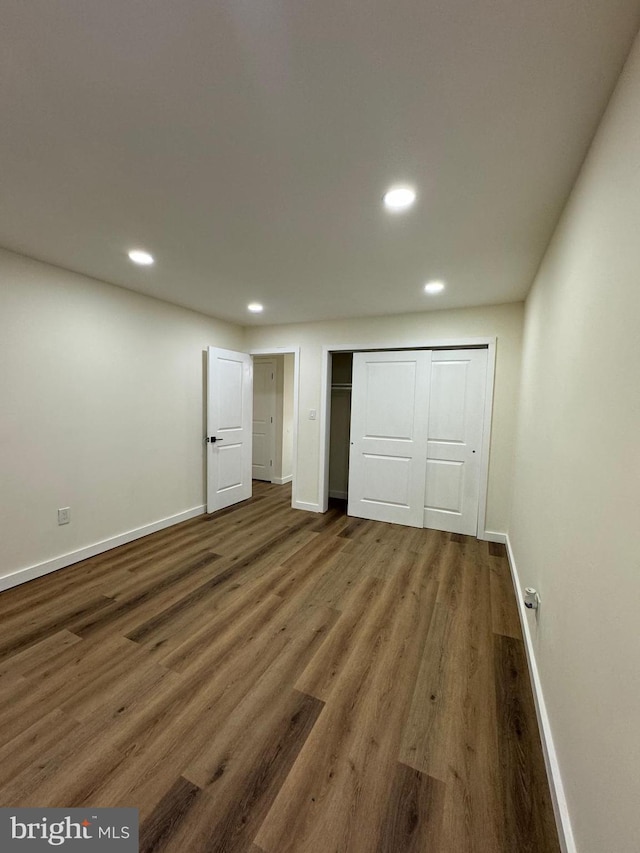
{"points": [[36, 571], [561, 811], [334, 493], [494, 536], [306, 506], [280, 481]]}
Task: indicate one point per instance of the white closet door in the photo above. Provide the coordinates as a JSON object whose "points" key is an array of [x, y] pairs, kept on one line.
{"points": [[455, 426], [390, 399]]}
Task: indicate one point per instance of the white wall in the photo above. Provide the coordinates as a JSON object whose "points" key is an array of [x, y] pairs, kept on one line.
{"points": [[575, 529], [102, 409], [503, 321]]}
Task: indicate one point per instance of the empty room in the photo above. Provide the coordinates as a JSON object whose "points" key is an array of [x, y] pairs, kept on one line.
{"points": [[319, 452]]}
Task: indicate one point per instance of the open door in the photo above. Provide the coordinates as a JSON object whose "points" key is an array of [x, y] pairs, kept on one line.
{"points": [[229, 413], [390, 405]]}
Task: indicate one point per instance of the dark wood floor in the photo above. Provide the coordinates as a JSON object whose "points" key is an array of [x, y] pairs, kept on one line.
{"points": [[271, 680]]}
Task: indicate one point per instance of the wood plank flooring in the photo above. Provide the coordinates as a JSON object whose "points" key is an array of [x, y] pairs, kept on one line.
{"points": [[270, 681]]}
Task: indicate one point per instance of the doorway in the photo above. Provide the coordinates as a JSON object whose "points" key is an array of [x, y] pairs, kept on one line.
{"points": [[273, 426], [229, 408], [263, 432]]}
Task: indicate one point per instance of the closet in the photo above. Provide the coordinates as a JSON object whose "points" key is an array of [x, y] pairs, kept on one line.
{"points": [[414, 446], [341, 373]]}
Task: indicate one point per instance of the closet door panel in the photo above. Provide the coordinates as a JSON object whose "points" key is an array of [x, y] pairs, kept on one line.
{"points": [[388, 436], [445, 485], [454, 440]]}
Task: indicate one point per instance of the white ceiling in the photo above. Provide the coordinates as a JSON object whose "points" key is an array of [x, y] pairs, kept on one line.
{"points": [[247, 144]]}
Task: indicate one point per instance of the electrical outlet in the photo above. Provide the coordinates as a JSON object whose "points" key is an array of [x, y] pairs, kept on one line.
{"points": [[531, 598], [64, 515]]}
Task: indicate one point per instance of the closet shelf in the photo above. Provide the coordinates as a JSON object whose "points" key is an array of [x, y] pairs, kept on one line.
{"points": [[341, 386]]}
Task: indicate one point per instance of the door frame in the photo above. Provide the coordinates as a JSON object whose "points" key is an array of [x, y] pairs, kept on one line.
{"points": [[295, 351], [448, 343]]}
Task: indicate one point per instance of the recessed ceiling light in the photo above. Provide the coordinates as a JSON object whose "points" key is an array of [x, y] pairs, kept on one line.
{"points": [[434, 287], [138, 256], [255, 307], [399, 198]]}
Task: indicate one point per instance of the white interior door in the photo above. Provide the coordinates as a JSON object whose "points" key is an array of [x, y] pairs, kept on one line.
{"points": [[390, 399], [229, 404], [263, 431], [455, 426]]}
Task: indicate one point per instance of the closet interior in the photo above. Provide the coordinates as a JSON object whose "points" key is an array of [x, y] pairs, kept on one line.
{"points": [[341, 377]]}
